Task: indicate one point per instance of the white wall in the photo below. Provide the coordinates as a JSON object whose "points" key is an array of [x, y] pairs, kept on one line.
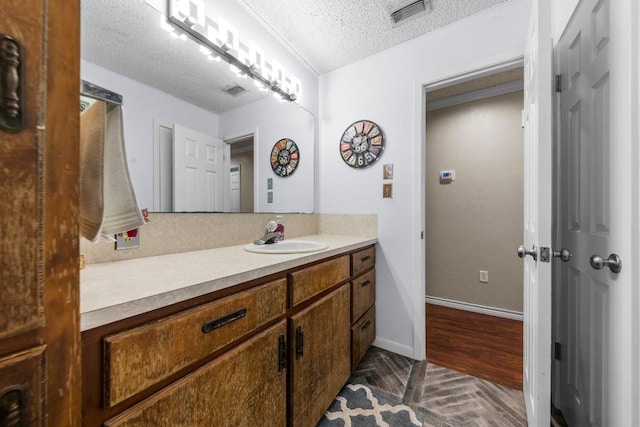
{"points": [[561, 11], [142, 105], [272, 120], [384, 88]]}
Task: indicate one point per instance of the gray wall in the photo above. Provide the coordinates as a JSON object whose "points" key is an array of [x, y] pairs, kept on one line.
{"points": [[475, 223]]}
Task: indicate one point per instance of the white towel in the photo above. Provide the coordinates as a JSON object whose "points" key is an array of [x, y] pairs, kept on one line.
{"points": [[108, 203]]}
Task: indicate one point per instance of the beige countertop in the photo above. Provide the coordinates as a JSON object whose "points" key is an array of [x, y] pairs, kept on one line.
{"points": [[113, 291]]}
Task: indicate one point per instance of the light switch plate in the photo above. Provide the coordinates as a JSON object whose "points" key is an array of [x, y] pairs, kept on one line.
{"points": [[387, 191], [270, 197], [387, 171], [269, 183]]}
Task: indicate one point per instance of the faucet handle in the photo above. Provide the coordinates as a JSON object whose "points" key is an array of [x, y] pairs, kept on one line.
{"points": [[271, 226]]}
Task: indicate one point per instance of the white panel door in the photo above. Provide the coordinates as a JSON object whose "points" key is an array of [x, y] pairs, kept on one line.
{"points": [[197, 172], [595, 367], [234, 173], [537, 120]]}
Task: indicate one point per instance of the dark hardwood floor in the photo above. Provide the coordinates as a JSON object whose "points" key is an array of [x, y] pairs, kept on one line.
{"points": [[484, 346]]}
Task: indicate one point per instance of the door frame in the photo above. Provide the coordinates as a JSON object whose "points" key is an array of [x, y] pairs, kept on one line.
{"points": [[446, 78], [230, 139]]}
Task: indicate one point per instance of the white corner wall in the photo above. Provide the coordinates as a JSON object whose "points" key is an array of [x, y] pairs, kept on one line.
{"points": [[387, 89]]}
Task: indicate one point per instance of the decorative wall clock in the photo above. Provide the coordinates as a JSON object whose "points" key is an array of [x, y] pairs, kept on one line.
{"points": [[285, 157], [362, 144]]}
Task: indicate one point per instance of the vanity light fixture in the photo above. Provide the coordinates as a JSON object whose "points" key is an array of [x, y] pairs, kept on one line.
{"points": [[184, 19]]}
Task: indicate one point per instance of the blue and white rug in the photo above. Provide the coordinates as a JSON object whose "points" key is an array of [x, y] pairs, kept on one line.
{"points": [[359, 406]]}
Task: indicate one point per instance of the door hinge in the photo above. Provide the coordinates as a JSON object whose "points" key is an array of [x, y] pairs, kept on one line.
{"points": [[282, 353], [558, 82], [299, 343], [422, 235], [557, 351]]}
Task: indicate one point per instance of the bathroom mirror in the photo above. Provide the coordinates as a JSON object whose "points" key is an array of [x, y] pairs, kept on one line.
{"points": [[166, 83]]}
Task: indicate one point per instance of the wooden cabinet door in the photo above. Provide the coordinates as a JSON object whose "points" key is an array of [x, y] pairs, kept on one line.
{"points": [[39, 155], [246, 386], [321, 357]]}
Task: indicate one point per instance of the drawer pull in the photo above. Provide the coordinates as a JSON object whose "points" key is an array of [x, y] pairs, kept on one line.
{"points": [[299, 342], [366, 283], [221, 321], [365, 258], [366, 325]]}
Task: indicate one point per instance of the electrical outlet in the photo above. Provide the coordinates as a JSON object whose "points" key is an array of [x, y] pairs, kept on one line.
{"points": [[484, 276], [270, 197]]}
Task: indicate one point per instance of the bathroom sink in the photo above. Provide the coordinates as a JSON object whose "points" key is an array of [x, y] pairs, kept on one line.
{"points": [[287, 247]]}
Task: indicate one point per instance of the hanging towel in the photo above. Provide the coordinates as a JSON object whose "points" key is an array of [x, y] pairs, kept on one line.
{"points": [[108, 203]]}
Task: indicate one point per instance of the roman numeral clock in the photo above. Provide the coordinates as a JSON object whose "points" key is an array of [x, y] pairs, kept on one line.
{"points": [[362, 144]]}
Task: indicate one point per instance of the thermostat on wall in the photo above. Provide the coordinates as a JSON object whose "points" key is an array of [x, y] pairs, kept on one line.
{"points": [[448, 175]]}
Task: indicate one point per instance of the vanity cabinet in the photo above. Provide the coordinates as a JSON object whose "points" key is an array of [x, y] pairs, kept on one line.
{"points": [[276, 351], [363, 298]]}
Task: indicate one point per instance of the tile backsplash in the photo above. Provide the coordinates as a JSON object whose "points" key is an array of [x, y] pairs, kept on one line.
{"points": [[168, 233]]}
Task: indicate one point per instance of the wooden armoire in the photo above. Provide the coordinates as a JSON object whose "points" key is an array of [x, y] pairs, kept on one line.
{"points": [[39, 163]]}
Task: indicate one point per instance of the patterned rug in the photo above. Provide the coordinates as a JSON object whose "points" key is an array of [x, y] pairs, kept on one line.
{"points": [[359, 406]]}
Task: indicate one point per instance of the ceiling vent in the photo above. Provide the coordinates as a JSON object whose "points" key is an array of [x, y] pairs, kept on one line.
{"points": [[234, 90], [409, 10]]}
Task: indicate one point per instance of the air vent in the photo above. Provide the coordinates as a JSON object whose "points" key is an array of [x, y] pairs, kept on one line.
{"points": [[234, 90], [408, 10]]}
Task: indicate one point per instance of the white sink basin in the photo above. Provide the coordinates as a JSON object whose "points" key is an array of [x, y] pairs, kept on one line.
{"points": [[287, 247]]}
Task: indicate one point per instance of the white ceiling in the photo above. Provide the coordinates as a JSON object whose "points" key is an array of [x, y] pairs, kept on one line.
{"points": [[125, 36]]}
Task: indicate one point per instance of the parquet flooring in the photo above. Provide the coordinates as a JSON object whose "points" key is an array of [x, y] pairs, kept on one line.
{"points": [[446, 398]]}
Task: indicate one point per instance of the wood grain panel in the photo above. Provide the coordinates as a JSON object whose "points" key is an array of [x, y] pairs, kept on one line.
{"points": [[362, 335], [26, 371], [325, 364], [484, 346], [312, 280], [243, 387], [363, 294], [362, 260], [139, 358], [21, 179]]}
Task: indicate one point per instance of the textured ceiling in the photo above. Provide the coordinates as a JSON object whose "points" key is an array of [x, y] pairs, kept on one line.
{"points": [[125, 36], [328, 34]]}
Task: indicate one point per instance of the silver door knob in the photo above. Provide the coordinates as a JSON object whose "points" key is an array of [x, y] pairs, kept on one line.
{"points": [[564, 254], [523, 252], [613, 262]]}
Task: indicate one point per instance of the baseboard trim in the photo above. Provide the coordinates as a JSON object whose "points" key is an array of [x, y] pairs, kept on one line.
{"points": [[475, 308], [394, 347]]}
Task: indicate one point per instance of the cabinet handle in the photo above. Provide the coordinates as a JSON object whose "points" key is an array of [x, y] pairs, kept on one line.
{"points": [[221, 321], [366, 283], [11, 84], [299, 343], [365, 258], [12, 411], [282, 353], [366, 325]]}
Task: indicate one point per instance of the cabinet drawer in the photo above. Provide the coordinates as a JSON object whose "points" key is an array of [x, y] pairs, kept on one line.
{"points": [[243, 387], [313, 280], [363, 294], [362, 335], [362, 260], [140, 357]]}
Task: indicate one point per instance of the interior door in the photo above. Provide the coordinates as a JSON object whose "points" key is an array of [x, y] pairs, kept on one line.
{"points": [[537, 121], [198, 171], [594, 367], [234, 173]]}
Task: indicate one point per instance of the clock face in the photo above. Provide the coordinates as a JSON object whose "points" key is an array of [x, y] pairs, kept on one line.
{"points": [[362, 144], [284, 157]]}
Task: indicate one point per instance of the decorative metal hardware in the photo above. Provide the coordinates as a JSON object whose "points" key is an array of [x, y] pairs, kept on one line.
{"points": [[299, 343], [366, 325], [12, 413], [613, 262], [365, 258], [523, 252], [366, 283], [224, 320], [282, 354], [11, 85], [558, 83], [557, 351]]}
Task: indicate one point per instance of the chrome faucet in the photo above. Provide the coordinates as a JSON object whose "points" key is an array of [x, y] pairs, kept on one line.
{"points": [[269, 235]]}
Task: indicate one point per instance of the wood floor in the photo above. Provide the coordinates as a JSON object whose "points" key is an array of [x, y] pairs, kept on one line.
{"points": [[484, 346], [445, 397]]}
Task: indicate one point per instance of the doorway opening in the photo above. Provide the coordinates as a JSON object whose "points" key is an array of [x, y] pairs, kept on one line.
{"points": [[241, 173], [473, 187]]}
